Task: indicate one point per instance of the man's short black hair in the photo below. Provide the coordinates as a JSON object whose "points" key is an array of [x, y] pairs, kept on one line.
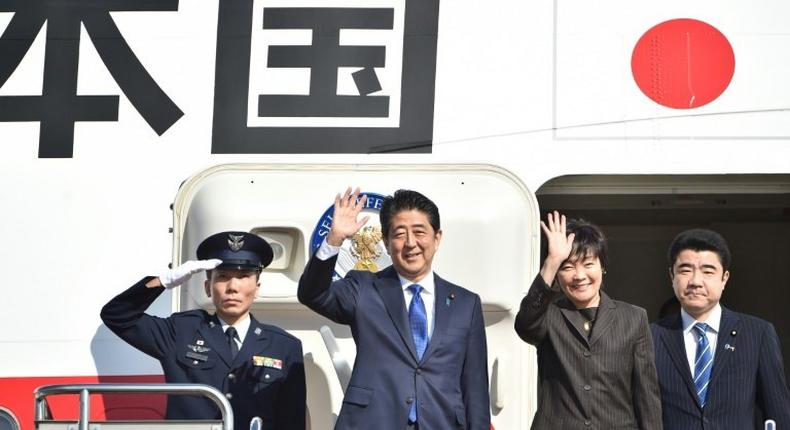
{"points": [[700, 239], [406, 200], [588, 242]]}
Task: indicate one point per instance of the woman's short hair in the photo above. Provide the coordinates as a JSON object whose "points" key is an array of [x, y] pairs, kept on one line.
{"points": [[589, 241]]}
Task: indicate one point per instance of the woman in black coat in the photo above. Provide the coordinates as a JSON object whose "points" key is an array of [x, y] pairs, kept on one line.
{"points": [[596, 365]]}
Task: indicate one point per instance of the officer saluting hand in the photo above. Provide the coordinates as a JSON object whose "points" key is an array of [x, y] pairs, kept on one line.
{"points": [[259, 367]]}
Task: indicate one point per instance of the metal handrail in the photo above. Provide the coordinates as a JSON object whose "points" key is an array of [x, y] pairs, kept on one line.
{"points": [[85, 390]]}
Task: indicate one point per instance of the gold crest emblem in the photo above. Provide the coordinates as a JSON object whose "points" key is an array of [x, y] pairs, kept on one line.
{"points": [[364, 247]]}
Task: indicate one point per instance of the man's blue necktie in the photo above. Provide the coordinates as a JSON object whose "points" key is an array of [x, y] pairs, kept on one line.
{"points": [[418, 320], [703, 362]]}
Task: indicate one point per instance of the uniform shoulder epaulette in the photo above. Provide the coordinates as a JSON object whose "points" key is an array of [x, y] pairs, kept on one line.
{"points": [[278, 331]]}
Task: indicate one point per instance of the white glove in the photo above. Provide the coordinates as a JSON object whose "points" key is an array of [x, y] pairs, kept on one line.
{"points": [[181, 274]]}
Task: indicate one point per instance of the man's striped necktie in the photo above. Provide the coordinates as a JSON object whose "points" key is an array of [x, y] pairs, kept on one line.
{"points": [[703, 362]]}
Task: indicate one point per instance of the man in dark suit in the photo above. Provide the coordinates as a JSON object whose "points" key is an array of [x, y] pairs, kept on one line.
{"points": [[421, 345], [718, 369], [259, 367]]}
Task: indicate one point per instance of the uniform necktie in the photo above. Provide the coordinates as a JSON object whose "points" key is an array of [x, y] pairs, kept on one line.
{"points": [[231, 334], [418, 320], [703, 362]]}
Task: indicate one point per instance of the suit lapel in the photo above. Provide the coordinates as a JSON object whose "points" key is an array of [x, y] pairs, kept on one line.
{"points": [[441, 315], [256, 340], [604, 320], [389, 288], [729, 323], [211, 330], [676, 347]]}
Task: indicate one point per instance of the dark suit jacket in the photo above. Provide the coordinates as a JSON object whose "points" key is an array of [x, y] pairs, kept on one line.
{"points": [[450, 383], [276, 393], [747, 374], [606, 383]]}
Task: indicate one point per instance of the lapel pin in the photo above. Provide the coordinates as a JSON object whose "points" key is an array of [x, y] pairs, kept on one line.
{"points": [[729, 347], [257, 331], [211, 324], [449, 299], [199, 342], [733, 333]]}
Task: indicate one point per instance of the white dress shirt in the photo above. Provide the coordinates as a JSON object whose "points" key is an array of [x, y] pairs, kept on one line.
{"points": [[241, 328], [428, 293], [690, 334]]}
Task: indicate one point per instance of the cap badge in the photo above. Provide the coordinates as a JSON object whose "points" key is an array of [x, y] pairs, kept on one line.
{"points": [[235, 242]]}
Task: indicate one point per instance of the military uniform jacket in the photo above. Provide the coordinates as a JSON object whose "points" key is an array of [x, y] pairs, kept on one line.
{"points": [[449, 383], [608, 382], [266, 378]]}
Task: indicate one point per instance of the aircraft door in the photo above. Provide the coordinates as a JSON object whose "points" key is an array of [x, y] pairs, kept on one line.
{"points": [[489, 245]]}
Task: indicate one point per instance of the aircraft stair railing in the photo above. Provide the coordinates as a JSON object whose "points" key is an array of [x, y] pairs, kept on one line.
{"points": [[43, 420]]}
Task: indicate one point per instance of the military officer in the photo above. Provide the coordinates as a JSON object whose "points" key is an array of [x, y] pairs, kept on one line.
{"points": [[258, 366]]}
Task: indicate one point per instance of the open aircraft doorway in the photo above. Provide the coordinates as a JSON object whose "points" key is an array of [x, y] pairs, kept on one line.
{"points": [[641, 214], [490, 241]]}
